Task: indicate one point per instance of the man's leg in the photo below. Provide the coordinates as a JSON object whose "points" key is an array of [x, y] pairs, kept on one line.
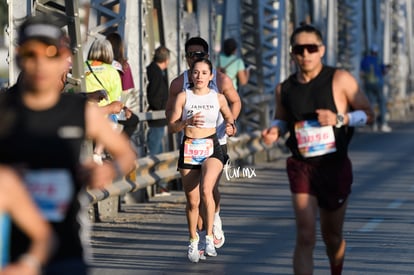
{"points": [[211, 170], [154, 140], [218, 233], [331, 226], [373, 99], [382, 106], [306, 208]]}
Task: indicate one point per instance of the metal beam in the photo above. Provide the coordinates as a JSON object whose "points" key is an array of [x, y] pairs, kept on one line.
{"points": [[18, 11]]}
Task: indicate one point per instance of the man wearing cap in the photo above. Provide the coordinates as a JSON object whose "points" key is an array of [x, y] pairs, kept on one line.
{"points": [[372, 72], [41, 133]]}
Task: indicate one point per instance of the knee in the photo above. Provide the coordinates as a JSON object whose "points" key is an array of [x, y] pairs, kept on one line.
{"points": [[332, 240], [193, 204], [306, 238], [207, 193]]}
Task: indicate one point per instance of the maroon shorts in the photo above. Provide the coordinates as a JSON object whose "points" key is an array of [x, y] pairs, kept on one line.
{"points": [[329, 180]]}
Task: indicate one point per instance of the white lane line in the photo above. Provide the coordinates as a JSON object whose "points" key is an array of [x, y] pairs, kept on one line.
{"points": [[371, 225], [396, 203]]}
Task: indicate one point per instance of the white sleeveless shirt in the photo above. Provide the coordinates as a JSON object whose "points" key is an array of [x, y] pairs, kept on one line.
{"points": [[221, 126], [207, 104]]}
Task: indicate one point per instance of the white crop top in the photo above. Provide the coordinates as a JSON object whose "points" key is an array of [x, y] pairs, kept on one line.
{"points": [[221, 126], [207, 104]]}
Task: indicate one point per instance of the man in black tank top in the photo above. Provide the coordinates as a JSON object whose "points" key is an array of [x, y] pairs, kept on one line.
{"points": [[41, 132], [318, 106]]}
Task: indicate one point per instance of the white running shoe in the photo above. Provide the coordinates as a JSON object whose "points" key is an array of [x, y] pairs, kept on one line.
{"points": [[193, 253], [202, 244], [210, 249], [218, 233]]}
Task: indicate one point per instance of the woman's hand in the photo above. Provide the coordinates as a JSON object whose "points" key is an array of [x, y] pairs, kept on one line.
{"points": [[115, 107], [128, 112], [197, 120], [231, 129]]}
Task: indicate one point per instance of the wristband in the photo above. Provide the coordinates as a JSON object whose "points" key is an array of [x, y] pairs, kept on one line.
{"points": [[281, 125], [357, 118]]}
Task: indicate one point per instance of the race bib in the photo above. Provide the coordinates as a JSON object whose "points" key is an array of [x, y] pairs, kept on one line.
{"points": [[314, 139], [197, 150], [52, 191]]}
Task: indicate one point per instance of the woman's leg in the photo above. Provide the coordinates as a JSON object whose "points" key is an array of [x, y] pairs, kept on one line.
{"points": [[211, 171], [191, 184]]}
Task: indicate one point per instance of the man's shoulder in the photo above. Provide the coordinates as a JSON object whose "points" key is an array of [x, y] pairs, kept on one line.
{"points": [[177, 83], [223, 81]]}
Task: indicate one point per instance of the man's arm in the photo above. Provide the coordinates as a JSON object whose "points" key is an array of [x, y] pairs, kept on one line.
{"points": [[226, 87], [355, 98], [348, 98], [278, 126], [175, 88]]}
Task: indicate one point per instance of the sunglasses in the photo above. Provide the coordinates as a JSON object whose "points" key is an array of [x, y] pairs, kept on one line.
{"points": [[300, 49], [196, 54], [48, 51]]}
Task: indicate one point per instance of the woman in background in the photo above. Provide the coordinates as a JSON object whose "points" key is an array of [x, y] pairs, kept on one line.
{"points": [[121, 64], [120, 61]]}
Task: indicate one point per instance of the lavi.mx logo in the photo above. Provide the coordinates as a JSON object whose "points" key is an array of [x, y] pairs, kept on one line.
{"points": [[238, 172]]}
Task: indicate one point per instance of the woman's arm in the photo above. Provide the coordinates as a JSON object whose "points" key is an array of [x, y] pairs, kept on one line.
{"points": [[175, 124]]}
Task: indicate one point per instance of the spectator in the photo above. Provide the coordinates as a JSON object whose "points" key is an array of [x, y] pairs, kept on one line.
{"points": [[16, 203], [157, 96], [101, 75], [41, 134], [372, 74], [230, 64], [121, 64], [195, 112]]}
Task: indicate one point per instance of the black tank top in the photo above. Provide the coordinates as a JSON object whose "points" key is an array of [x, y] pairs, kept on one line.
{"points": [[301, 101], [45, 146]]}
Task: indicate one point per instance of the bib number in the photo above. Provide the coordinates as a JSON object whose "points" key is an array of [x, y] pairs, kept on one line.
{"points": [[52, 191], [314, 139], [196, 151]]}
